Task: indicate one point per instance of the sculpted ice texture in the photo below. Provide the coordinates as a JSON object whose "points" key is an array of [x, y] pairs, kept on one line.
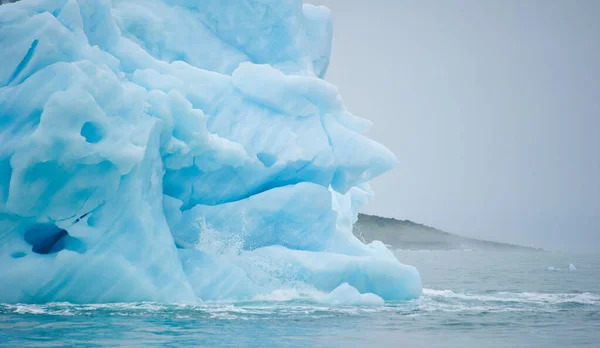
{"points": [[180, 151]]}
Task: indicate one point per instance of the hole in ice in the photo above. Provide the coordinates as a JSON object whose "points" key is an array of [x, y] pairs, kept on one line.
{"points": [[92, 132], [45, 238], [18, 255], [49, 239], [266, 158]]}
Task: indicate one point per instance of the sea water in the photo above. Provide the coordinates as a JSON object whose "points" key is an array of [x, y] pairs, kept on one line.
{"points": [[471, 299]]}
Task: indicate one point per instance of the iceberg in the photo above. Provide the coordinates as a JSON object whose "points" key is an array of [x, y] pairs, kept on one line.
{"points": [[181, 151]]}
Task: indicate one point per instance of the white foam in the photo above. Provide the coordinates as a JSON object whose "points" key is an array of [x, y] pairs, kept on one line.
{"points": [[29, 309], [518, 297]]}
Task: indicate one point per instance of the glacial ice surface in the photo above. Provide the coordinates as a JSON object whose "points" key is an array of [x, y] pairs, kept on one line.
{"points": [[181, 151]]}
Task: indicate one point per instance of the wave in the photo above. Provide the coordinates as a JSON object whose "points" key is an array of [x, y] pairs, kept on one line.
{"points": [[519, 297], [504, 301], [311, 303], [256, 310]]}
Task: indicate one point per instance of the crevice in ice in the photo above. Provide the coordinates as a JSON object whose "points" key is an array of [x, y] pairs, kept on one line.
{"points": [[81, 217], [49, 239], [92, 132], [24, 61], [276, 182], [189, 184]]}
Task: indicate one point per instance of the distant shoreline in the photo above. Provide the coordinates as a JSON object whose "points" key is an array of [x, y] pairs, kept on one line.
{"points": [[408, 235]]}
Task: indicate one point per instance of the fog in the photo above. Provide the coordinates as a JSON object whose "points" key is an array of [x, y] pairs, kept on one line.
{"points": [[492, 108]]}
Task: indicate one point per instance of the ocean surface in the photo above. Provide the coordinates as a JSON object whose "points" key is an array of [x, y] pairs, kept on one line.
{"points": [[471, 299]]}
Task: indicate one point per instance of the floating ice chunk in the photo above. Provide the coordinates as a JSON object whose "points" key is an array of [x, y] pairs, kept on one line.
{"points": [[347, 295], [572, 267], [179, 151], [343, 295]]}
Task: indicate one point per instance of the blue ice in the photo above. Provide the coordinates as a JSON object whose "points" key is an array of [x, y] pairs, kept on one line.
{"points": [[181, 151]]}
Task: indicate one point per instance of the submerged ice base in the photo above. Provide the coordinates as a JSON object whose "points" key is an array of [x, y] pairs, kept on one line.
{"points": [[177, 151]]}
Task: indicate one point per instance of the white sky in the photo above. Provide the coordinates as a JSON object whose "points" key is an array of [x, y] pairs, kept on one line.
{"points": [[492, 107]]}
